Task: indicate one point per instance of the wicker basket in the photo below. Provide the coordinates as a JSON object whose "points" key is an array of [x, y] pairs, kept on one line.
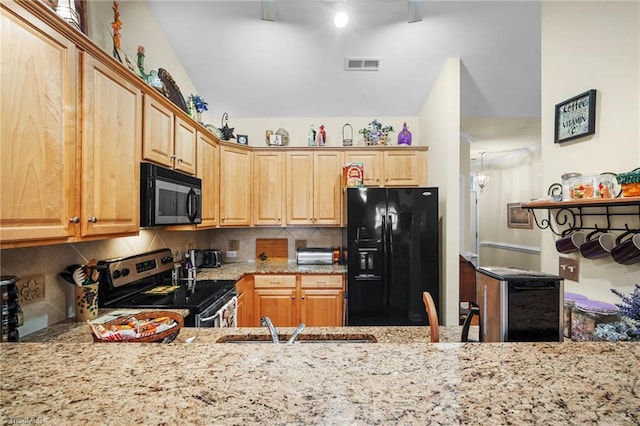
{"points": [[166, 336], [630, 183]]}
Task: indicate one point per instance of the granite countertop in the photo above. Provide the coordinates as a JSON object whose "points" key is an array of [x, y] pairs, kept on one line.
{"points": [[402, 379], [235, 271]]}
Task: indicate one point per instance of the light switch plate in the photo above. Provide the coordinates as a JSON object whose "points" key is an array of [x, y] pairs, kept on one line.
{"points": [[569, 268]]}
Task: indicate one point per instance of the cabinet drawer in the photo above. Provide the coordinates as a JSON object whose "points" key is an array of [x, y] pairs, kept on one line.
{"points": [[321, 281], [275, 281]]}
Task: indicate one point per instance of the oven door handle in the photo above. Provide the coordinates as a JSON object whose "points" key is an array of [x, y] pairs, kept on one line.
{"points": [[231, 303]]}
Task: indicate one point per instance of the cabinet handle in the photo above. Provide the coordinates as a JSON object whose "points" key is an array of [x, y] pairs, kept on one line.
{"points": [[179, 160], [93, 219], [293, 297], [173, 157], [321, 282], [74, 219]]}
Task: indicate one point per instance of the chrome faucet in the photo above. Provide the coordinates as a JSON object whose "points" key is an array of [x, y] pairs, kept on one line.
{"points": [[296, 332], [265, 321]]}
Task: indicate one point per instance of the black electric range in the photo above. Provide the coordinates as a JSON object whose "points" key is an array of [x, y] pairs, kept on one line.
{"points": [[145, 281]]}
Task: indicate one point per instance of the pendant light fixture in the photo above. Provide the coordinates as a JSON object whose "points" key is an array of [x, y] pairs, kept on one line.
{"points": [[482, 175]]}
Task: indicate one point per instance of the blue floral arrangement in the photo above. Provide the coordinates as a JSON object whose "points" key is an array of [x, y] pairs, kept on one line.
{"points": [[198, 103], [376, 133]]}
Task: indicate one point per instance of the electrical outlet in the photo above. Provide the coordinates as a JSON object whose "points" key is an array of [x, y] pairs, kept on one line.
{"points": [[231, 254], [569, 268]]}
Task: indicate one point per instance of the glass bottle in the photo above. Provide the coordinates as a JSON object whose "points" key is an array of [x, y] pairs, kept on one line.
{"points": [[322, 136], [311, 136], [404, 137]]}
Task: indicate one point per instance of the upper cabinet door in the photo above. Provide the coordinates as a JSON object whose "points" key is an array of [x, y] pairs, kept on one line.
{"points": [[38, 131], [208, 167], [405, 168], [185, 146], [327, 172], [235, 186], [268, 183], [372, 163], [111, 140], [299, 181], [157, 133]]}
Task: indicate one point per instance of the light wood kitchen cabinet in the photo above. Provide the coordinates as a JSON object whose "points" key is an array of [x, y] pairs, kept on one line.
{"points": [[111, 140], [235, 186], [404, 167], [39, 130], [244, 287], [288, 300], [391, 166], [268, 184], [207, 169], [372, 162], [168, 140], [275, 296], [313, 187], [322, 300]]}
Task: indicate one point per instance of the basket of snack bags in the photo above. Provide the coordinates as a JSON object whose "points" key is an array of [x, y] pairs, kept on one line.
{"points": [[156, 326]]}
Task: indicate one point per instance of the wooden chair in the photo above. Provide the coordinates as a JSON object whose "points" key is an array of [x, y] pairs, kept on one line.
{"points": [[432, 314], [434, 327]]}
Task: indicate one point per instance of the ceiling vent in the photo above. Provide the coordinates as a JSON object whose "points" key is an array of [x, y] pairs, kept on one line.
{"points": [[362, 64]]}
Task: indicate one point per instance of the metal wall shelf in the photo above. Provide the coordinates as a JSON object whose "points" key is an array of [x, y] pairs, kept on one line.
{"points": [[591, 214]]}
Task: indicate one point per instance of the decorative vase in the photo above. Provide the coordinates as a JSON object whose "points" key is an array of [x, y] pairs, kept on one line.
{"points": [[404, 137]]}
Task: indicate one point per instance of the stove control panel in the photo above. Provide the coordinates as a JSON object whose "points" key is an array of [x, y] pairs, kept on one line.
{"points": [[123, 271]]}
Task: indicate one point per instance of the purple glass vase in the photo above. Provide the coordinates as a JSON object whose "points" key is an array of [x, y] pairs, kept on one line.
{"points": [[404, 137]]}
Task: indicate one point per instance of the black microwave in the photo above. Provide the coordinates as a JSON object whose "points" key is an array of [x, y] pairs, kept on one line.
{"points": [[168, 197]]}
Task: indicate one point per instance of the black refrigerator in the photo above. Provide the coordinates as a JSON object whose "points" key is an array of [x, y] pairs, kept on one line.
{"points": [[392, 255]]}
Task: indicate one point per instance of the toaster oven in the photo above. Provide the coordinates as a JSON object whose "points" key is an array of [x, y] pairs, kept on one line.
{"points": [[206, 258]]}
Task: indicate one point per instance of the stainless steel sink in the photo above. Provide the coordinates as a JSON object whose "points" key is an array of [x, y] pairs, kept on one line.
{"points": [[303, 339]]}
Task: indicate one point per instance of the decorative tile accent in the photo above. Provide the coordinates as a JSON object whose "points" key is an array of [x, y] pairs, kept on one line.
{"points": [[234, 245], [301, 244], [30, 289]]}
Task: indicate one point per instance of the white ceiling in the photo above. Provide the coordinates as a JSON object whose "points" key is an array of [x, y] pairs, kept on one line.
{"points": [[294, 67]]}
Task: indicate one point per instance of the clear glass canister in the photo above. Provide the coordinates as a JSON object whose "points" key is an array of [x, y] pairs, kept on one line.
{"points": [[584, 187], [569, 302], [567, 180], [587, 314]]}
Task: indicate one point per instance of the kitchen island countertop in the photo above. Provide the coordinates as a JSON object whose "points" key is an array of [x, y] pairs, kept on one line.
{"points": [[402, 379]]}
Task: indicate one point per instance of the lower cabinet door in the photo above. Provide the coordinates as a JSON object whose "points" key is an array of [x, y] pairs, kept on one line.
{"points": [[322, 307], [277, 304]]}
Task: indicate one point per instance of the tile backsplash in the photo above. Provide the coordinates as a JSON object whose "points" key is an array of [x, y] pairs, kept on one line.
{"points": [[47, 261]]}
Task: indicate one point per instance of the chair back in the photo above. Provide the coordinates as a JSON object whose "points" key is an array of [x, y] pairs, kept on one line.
{"points": [[432, 315]]}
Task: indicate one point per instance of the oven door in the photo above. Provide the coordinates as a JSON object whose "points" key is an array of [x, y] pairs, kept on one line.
{"points": [[219, 316]]}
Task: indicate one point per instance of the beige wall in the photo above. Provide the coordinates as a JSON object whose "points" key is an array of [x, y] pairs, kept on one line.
{"points": [[139, 28], [440, 129], [592, 45]]}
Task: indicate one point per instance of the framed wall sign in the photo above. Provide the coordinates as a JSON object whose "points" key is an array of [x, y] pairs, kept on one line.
{"points": [[243, 139], [576, 117], [517, 217]]}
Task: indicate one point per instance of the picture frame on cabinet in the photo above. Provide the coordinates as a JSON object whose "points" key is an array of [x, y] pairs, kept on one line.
{"points": [[275, 140], [243, 139], [575, 117], [517, 217]]}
